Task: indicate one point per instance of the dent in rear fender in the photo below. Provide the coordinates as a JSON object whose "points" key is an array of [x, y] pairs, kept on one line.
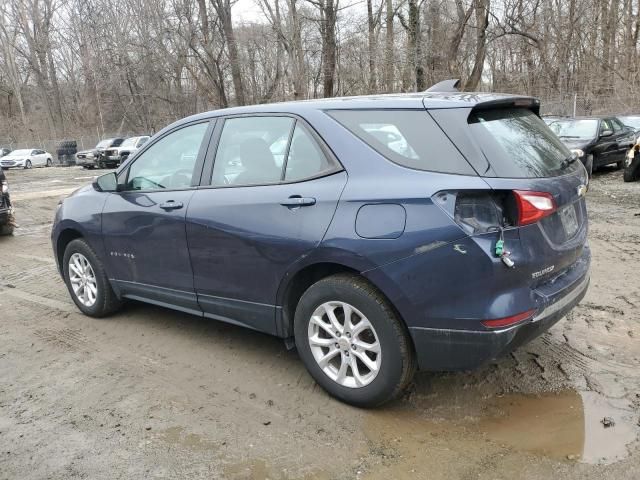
{"points": [[454, 285]]}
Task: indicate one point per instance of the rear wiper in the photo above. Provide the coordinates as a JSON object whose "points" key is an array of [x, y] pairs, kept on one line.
{"points": [[568, 161]]}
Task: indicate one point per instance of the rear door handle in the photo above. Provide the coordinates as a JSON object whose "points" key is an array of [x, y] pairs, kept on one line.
{"points": [[171, 205], [297, 201]]}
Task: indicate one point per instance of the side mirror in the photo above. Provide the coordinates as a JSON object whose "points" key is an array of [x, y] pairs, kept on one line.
{"points": [[606, 133], [106, 183]]}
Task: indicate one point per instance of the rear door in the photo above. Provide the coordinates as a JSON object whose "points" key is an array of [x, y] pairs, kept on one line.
{"points": [[143, 224], [624, 138], [266, 201]]}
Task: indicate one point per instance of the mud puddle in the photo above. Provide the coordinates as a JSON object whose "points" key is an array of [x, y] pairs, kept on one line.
{"points": [[567, 426]]}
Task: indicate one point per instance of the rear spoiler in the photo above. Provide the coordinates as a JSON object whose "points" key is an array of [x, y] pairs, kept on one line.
{"points": [[453, 85], [531, 103]]}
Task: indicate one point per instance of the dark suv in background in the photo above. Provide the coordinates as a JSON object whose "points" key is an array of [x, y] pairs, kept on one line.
{"points": [[596, 141], [379, 234]]}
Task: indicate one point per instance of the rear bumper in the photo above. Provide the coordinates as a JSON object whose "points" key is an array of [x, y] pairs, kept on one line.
{"points": [[440, 349]]}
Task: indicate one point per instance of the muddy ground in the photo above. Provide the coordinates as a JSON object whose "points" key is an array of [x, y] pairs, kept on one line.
{"points": [[151, 393]]}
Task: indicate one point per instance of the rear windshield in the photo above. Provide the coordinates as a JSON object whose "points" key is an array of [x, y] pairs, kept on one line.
{"points": [[518, 144], [407, 137], [581, 128]]}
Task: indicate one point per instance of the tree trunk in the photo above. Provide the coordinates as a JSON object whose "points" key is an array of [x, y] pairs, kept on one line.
{"points": [[388, 50], [482, 22], [223, 8], [328, 30], [299, 76], [372, 47]]}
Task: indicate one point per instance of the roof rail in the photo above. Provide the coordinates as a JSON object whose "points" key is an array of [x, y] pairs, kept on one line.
{"points": [[451, 85]]}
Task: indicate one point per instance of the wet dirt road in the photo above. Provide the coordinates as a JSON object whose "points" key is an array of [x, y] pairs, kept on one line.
{"points": [[151, 393]]}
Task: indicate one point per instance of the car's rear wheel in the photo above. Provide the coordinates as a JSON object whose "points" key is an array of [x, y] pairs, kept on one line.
{"points": [[87, 280], [6, 230], [49, 162], [352, 342]]}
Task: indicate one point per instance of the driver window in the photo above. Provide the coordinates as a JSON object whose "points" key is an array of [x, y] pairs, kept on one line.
{"points": [[168, 164], [605, 125]]}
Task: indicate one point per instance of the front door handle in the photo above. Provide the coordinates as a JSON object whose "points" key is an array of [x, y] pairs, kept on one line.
{"points": [[171, 205], [295, 201]]}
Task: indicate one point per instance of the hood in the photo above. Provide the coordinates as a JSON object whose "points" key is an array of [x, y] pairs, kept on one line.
{"points": [[81, 190], [93, 150]]}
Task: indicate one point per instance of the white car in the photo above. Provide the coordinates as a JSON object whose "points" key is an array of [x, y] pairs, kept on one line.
{"points": [[26, 158]]}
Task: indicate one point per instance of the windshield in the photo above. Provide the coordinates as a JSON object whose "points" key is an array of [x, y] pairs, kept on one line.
{"points": [[17, 153], [572, 128], [518, 144], [633, 122], [130, 142], [104, 143]]}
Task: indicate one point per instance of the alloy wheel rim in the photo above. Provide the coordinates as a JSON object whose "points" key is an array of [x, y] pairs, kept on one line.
{"points": [[344, 344], [83, 279]]}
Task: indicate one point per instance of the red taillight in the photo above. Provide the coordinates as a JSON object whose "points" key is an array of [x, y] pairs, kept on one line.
{"points": [[508, 321], [532, 206]]}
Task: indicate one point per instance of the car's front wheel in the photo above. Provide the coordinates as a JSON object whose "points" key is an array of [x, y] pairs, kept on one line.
{"points": [[27, 164], [352, 342], [87, 280]]}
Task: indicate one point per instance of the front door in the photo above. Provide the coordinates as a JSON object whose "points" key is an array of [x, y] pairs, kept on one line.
{"points": [[273, 192], [143, 225]]}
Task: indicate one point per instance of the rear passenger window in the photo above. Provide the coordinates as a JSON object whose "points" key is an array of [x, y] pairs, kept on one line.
{"points": [[252, 151], [407, 137], [305, 159]]}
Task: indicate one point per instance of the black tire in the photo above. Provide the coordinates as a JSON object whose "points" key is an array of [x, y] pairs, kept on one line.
{"points": [[49, 163], [106, 301], [620, 165], [632, 172], [6, 230], [398, 359], [101, 165], [27, 165]]}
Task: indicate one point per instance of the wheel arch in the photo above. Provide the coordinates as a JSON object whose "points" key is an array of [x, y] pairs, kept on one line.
{"points": [[292, 288], [65, 237]]}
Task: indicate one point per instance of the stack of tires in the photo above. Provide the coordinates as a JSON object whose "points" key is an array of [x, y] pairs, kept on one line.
{"points": [[66, 152]]}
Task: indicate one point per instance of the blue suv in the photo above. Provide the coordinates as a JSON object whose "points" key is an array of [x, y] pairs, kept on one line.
{"points": [[380, 234]]}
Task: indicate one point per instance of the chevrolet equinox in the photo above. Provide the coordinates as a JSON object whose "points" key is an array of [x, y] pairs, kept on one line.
{"points": [[380, 234]]}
